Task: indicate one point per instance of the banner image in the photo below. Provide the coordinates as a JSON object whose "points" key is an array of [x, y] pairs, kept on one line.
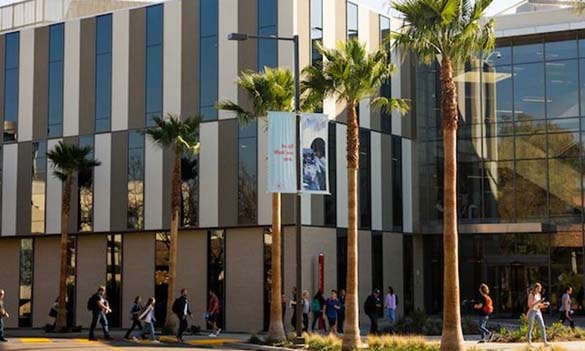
{"points": [[282, 164], [314, 150]]}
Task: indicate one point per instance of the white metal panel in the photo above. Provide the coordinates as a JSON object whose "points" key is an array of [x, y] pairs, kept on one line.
{"points": [[208, 175], [365, 113], [120, 69], [341, 133], [54, 196], [71, 78], [264, 198], [228, 54], [101, 183], [172, 58], [286, 24], [9, 188], [153, 187], [376, 162], [396, 84], [25, 85], [407, 165], [306, 209]]}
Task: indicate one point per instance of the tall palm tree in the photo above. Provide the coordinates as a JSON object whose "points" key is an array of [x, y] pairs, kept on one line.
{"points": [[67, 161], [181, 136], [579, 6], [452, 32], [271, 90], [350, 74]]}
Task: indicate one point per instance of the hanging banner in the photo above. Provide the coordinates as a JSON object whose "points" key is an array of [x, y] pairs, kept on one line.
{"points": [[314, 150], [282, 170]]}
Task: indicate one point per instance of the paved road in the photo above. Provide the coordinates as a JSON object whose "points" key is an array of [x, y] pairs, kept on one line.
{"points": [[48, 344]]}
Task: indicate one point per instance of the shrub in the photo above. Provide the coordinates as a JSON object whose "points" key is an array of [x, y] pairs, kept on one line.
{"points": [[317, 342]]}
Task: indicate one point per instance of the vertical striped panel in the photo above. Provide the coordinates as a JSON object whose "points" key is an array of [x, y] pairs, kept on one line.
{"points": [[190, 58], [329, 40], [286, 28], [24, 188], [407, 185], [364, 37], [393, 267], [26, 85], [54, 196], [153, 185], [396, 82], [41, 83], [228, 173], [101, 183], [264, 198], [46, 274], [87, 63], [341, 133], [208, 175], [386, 175], [374, 44], [120, 69], [376, 179], [172, 57], [228, 53], [364, 269], [2, 79], [118, 179], [9, 181], [71, 78], [306, 209], [137, 69]]}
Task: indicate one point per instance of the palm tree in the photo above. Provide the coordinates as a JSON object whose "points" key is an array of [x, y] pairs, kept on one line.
{"points": [[182, 137], [350, 74], [452, 32], [271, 90], [579, 6], [67, 161]]}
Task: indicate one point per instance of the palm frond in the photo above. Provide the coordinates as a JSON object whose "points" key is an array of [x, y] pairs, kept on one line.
{"points": [[68, 160], [179, 134]]}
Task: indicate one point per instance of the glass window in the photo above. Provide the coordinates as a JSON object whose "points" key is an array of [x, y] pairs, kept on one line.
{"points": [[562, 89], [563, 125], [529, 91], [316, 29], [55, 118], [365, 181], [189, 190], [135, 180], [528, 53], [103, 73], [26, 283], [331, 200], [39, 179], [582, 84], [386, 88], [530, 146], [564, 177], [531, 189], [397, 183], [498, 190], [208, 66], [216, 269], [114, 279], [267, 25], [501, 56], [267, 275], [154, 62], [85, 191], [352, 21], [563, 145], [341, 258], [161, 276], [71, 279], [377, 261], [247, 173], [11, 59], [558, 50], [501, 92]]}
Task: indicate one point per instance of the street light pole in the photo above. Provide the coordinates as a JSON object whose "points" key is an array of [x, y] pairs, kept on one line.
{"points": [[297, 78]]}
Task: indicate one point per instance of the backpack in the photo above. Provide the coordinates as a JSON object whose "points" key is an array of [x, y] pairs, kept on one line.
{"points": [[315, 306], [92, 302], [488, 308], [176, 308]]}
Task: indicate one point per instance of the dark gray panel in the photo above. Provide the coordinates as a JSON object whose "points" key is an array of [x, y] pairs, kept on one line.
{"points": [[136, 103], [168, 164], [87, 76], [318, 209], [119, 182], [386, 181], [288, 208], [375, 119], [2, 53], [41, 83], [74, 193], [247, 50], [228, 173], [24, 186], [190, 58]]}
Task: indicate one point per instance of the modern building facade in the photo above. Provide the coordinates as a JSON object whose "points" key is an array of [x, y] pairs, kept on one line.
{"points": [[99, 80]]}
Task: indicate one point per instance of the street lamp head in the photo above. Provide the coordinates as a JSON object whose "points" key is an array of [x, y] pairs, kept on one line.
{"points": [[238, 36]]}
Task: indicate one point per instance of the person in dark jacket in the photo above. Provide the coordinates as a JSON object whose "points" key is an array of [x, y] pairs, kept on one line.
{"points": [[373, 307], [341, 312], [134, 315], [99, 309], [181, 309]]}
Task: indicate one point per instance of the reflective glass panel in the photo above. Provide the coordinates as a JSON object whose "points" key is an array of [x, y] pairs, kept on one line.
{"points": [[114, 279], [189, 190], [135, 180], [528, 53], [154, 63], [247, 174], [11, 57], [216, 269], [558, 50], [267, 25], [85, 190], [365, 181], [161, 276], [565, 187], [352, 21], [316, 29], [531, 189], [103, 73], [55, 117], [562, 89], [26, 283], [529, 91], [498, 190], [39, 179], [208, 66]]}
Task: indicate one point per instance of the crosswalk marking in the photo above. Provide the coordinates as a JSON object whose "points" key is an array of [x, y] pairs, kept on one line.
{"points": [[35, 340]]}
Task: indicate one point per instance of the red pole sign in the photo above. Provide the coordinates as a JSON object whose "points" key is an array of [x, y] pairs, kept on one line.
{"points": [[322, 272]]}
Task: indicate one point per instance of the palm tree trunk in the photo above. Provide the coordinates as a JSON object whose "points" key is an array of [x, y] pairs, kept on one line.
{"points": [[61, 323], [276, 330], [452, 338], [351, 337], [175, 205]]}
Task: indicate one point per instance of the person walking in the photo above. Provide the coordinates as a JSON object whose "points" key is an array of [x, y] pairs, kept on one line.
{"points": [[332, 308], [341, 312], [390, 303], [147, 316], [213, 314], [372, 307], [135, 316], [182, 311], [306, 310], [535, 304], [3, 314], [566, 313], [317, 307], [98, 307], [484, 308]]}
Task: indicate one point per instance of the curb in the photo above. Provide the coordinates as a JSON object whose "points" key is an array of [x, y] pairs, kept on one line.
{"points": [[254, 347]]}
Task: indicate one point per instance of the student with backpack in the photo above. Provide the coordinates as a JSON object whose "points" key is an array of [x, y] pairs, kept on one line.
{"points": [[484, 308], [373, 308], [182, 311], [332, 309], [147, 316], [98, 307], [317, 307], [135, 316]]}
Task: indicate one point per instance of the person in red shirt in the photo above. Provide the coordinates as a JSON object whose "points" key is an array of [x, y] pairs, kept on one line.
{"points": [[213, 314], [484, 308]]}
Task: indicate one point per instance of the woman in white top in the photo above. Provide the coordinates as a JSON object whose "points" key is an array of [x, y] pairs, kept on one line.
{"points": [[147, 316], [535, 304]]}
